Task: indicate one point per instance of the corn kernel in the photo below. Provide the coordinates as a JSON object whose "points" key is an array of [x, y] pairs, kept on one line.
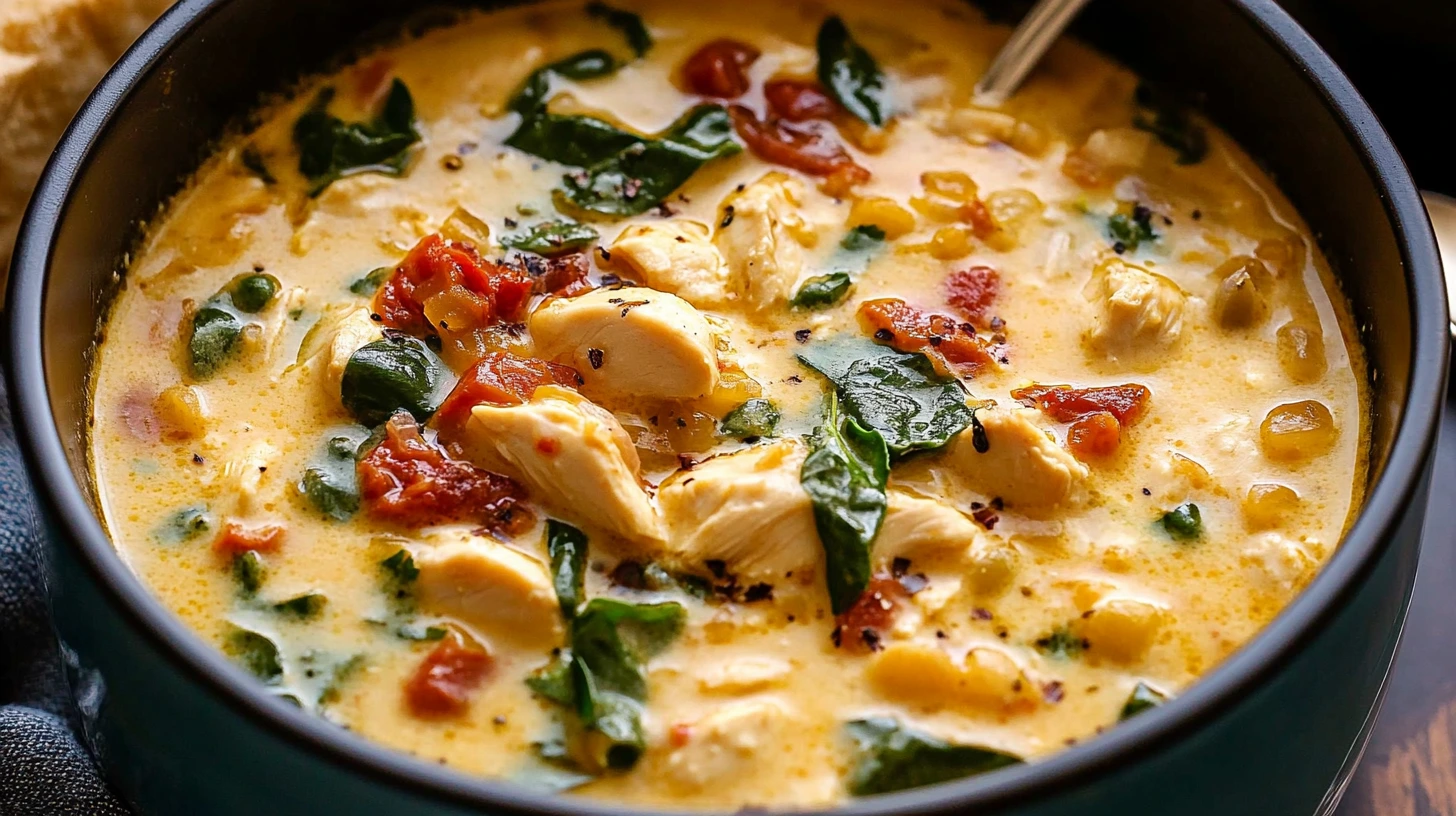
{"points": [[1301, 351], [1297, 430], [992, 678], [182, 412], [990, 567], [950, 243], [883, 213], [950, 184], [1121, 629], [916, 673], [1268, 505]]}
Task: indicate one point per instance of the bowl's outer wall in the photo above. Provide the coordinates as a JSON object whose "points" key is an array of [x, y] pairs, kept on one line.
{"points": [[175, 743]]}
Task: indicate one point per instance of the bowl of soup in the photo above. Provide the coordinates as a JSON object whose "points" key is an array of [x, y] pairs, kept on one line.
{"points": [[596, 408]]}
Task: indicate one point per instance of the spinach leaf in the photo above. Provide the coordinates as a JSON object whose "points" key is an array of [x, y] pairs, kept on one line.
{"points": [[756, 417], [398, 372], [851, 74], [567, 548], [1183, 523], [553, 681], [1163, 115], [216, 333], [863, 238], [531, 97], [331, 482], [370, 283], [400, 567], [250, 570], [890, 757], [575, 141], [304, 607], [643, 174], [898, 395], [325, 673], [552, 238], [186, 524], [822, 290], [253, 292], [1129, 231], [256, 653], [1062, 643], [626, 22], [1142, 698], [330, 148], [399, 574], [845, 476]]}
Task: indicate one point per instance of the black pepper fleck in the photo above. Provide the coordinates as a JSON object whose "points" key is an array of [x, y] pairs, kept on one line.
{"points": [[802, 335], [594, 356], [727, 217]]}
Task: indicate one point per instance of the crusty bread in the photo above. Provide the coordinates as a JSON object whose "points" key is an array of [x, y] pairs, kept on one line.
{"points": [[52, 52]]}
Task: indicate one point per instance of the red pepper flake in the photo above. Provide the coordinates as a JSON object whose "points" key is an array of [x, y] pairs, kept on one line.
{"points": [[860, 627], [679, 734], [235, 539], [444, 682], [548, 446], [758, 592]]}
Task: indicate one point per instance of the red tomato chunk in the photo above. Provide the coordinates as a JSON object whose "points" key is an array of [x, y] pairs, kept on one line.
{"points": [[720, 69], [447, 285], [410, 480], [235, 539], [972, 291], [1064, 403], [798, 100], [502, 378], [444, 681], [804, 147], [907, 328], [862, 626]]}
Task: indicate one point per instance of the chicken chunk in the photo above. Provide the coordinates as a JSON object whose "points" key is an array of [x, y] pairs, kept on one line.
{"points": [[501, 593], [1022, 465], [729, 746], [244, 479], [572, 456], [746, 509], [633, 341], [760, 240], [1137, 312], [676, 256], [919, 528]]}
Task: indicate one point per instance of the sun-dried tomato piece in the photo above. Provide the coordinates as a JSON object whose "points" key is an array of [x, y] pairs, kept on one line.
{"points": [[235, 539], [972, 291], [445, 679], [805, 146], [1063, 403], [983, 224], [564, 276], [861, 627], [447, 284], [411, 480], [798, 100], [1094, 436], [502, 378], [720, 69], [907, 328]]}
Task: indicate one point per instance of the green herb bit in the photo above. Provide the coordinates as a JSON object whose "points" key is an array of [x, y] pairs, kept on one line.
{"points": [[370, 283], [1062, 643], [552, 238], [845, 476], [249, 569], [891, 757], [1142, 698], [330, 149], [822, 290], [396, 373], [253, 292], [256, 653], [631, 26], [186, 524], [400, 567], [850, 74], [1129, 231], [304, 607], [754, 418], [863, 238], [1163, 115], [1183, 523], [567, 547]]}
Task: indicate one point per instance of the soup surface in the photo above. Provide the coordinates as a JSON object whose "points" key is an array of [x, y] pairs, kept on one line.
{"points": [[735, 413]]}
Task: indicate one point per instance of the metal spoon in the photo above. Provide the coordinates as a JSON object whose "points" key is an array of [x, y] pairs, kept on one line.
{"points": [[1029, 42], [1442, 210]]}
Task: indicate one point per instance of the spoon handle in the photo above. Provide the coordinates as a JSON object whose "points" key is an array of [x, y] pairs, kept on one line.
{"points": [[1031, 39]]}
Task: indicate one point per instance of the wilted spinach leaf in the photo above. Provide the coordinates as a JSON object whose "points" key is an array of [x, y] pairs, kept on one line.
{"points": [[530, 99], [370, 283], [890, 757], [863, 238], [187, 523], [822, 290], [331, 482], [256, 653], [552, 238], [330, 148], [1183, 523], [400, 567], [898, 395], [216, 332], [249, 570], [1142, 698], [396, 373], [851, 74], [626, 22], [845, 476], [756, 417], [325, 673], [855, 251], [304, 607], [1163, 115], [575, 141], [253, 292], [567, 547]]}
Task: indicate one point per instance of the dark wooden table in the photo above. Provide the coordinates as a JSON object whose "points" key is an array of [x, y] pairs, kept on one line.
{"points": [[1410, 767]]}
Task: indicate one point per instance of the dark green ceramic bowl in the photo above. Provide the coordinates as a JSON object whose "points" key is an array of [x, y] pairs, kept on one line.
{"points": [[1275, 730]]}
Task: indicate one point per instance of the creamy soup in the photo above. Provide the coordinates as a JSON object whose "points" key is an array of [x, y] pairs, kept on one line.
{"points": [[712, 405]]}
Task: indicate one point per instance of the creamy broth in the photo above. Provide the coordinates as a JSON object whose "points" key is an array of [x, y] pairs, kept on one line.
{"points": [[1027, 584]]}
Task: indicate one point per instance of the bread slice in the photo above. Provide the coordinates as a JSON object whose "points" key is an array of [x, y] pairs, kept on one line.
{"points": [[52, 52]]}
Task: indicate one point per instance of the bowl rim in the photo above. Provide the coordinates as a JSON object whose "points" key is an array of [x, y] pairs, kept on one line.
{"points": [[1300, 621]]}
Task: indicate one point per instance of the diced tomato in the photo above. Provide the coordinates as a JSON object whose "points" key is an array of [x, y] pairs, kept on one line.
{"points": [[444, 681], [235, 539], [804, 147], [1094, 436], [798, 100], [411, 480], [679, 734], [861, 627], [502, 378], [972, 291], [1064, 403], [907, 328], [720, 69], [448, 284], [563, 276], [983, 224]]}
